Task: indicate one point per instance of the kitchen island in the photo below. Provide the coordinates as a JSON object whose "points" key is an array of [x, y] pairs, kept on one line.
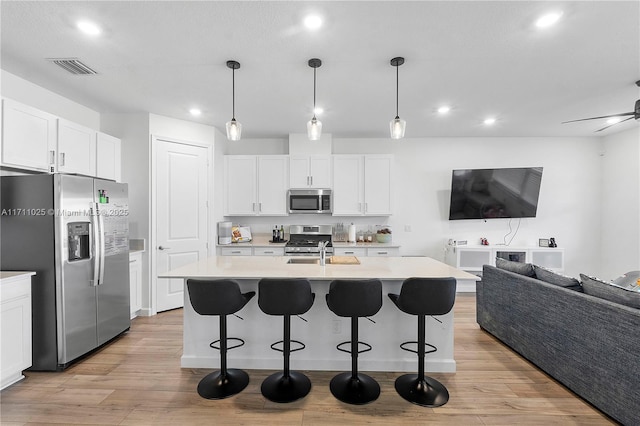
{"points": [[323, 330]]}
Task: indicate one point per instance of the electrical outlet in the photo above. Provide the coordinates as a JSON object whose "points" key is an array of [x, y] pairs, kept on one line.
{"points": [[337, 326], [407, 228]]}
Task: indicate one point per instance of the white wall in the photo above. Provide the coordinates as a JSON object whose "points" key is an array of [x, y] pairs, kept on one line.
{"points": [[620, 203], [21, 90], [570, 184]]}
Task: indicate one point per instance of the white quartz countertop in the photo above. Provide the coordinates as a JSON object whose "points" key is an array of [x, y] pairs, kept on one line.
{"points": [[9, 276], [256, 267]]}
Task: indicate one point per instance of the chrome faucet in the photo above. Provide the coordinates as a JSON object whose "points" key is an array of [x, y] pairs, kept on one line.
{"points": [[322, 246]]}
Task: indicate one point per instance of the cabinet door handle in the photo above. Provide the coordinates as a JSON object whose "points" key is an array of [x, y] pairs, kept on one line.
{"points": [[366, 207], [52, 157], [348, 252], [236, 251], [268, 252], [62, 158], [311, 178], [383, 252], [253, 207], [259, 207]]}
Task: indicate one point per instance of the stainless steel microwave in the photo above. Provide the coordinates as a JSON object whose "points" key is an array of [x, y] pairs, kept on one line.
{"points": [[319, 201]]}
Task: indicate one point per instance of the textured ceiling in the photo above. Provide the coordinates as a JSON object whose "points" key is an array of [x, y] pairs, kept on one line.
{"points": [[483, 58]]}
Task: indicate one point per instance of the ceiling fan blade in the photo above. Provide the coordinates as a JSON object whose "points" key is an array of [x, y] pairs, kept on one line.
{"points": [[604, 116], [626, 119]]}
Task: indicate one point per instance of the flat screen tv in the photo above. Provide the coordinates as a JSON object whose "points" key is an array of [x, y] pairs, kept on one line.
{"points": [[495, 193]]}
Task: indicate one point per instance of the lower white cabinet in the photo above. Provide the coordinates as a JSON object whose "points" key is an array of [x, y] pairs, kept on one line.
{"points": [[472, 258], [367, 251], [15, 322], [135, 282], [268, 251], [236, 251]]}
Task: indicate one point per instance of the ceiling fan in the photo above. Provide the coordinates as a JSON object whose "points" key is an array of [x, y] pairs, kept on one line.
{"points": [[634, 114]]}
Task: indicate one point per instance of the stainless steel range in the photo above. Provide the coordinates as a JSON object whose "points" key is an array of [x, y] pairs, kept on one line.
{"points": [[305, 240]]}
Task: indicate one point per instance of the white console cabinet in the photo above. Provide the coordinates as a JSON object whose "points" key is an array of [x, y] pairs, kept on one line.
{"points": [[472, 258], [15, 323]]}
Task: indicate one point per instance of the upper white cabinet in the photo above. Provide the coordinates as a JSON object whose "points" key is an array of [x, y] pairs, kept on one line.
{"points": [[108, 157], [28, 137], [256, 185], [362, 185], [76, 148], [310, 171]]}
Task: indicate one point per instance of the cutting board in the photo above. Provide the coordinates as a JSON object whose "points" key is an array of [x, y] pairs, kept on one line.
{"points": [[344, 260]]}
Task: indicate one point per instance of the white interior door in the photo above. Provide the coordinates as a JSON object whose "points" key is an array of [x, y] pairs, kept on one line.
{"points": [[181, 215]]}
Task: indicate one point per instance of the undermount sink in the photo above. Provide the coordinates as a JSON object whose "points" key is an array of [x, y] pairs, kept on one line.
{"points": [[306, 260], [336, 260]]}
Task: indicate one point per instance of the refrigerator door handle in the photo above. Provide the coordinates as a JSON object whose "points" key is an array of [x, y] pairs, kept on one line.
{"points": [[102, 244], [95, 236]]}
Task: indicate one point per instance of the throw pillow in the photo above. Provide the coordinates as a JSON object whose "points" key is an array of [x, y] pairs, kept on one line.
{"points": [[609, 291], [551, 277], [525, 269], [630, 280]]}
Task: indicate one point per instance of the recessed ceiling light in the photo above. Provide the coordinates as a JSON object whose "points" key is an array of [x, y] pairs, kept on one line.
{"points": [[614, 120], [549, 19], [313, 22], [318, 110], [195, 111], [444, 109], [88, 28], [489, 121]]}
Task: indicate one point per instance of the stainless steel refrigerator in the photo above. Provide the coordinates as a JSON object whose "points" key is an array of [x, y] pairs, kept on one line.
{"points": [[73, 231]]}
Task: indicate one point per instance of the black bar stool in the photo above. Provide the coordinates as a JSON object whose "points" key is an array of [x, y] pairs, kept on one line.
{"points": [[421, 297], [355, 299], [286, 297], [221, 298]]}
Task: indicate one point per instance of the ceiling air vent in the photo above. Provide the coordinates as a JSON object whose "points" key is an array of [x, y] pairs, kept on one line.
{"points": [[72, 65]]}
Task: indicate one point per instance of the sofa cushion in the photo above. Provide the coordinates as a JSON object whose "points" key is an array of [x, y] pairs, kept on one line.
{"points": [[630, 280], [609, 291], [525, 269], [552, 277]]}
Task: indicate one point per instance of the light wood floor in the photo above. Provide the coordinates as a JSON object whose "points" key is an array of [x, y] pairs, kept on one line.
{"points": [[138, 380]]}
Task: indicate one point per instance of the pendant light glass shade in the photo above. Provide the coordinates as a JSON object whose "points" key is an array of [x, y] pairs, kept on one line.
{"points": [[314, 129], [234, 129], [314, 126], [397, 126]]}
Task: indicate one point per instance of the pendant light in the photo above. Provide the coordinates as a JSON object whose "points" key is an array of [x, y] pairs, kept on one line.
{"points": [[234, 129], [314, 126], [397, 125]]}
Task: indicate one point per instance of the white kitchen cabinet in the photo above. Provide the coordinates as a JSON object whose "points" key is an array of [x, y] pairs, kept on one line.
{"points": [[268, 251], [15, 321], [383, 251], [256, 185], [76, 148], [310, 171], [135, 282], [350, 251], [108, 164], [362, 185], [472, 258], [29, 137], [236, 251]]}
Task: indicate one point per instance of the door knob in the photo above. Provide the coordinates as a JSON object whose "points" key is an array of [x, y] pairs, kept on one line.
{"points": [[163, 248]]}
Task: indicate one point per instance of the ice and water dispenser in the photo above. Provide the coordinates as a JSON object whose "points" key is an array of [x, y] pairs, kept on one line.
{"points": [[78, 240]]}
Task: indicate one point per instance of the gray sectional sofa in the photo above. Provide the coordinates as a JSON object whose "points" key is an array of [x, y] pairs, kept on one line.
{"points": [[590, 345]]}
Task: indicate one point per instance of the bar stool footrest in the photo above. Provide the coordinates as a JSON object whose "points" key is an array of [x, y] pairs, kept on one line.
{"points": [[236, 339], [301, 347], [402, 346], [367, 347]]}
